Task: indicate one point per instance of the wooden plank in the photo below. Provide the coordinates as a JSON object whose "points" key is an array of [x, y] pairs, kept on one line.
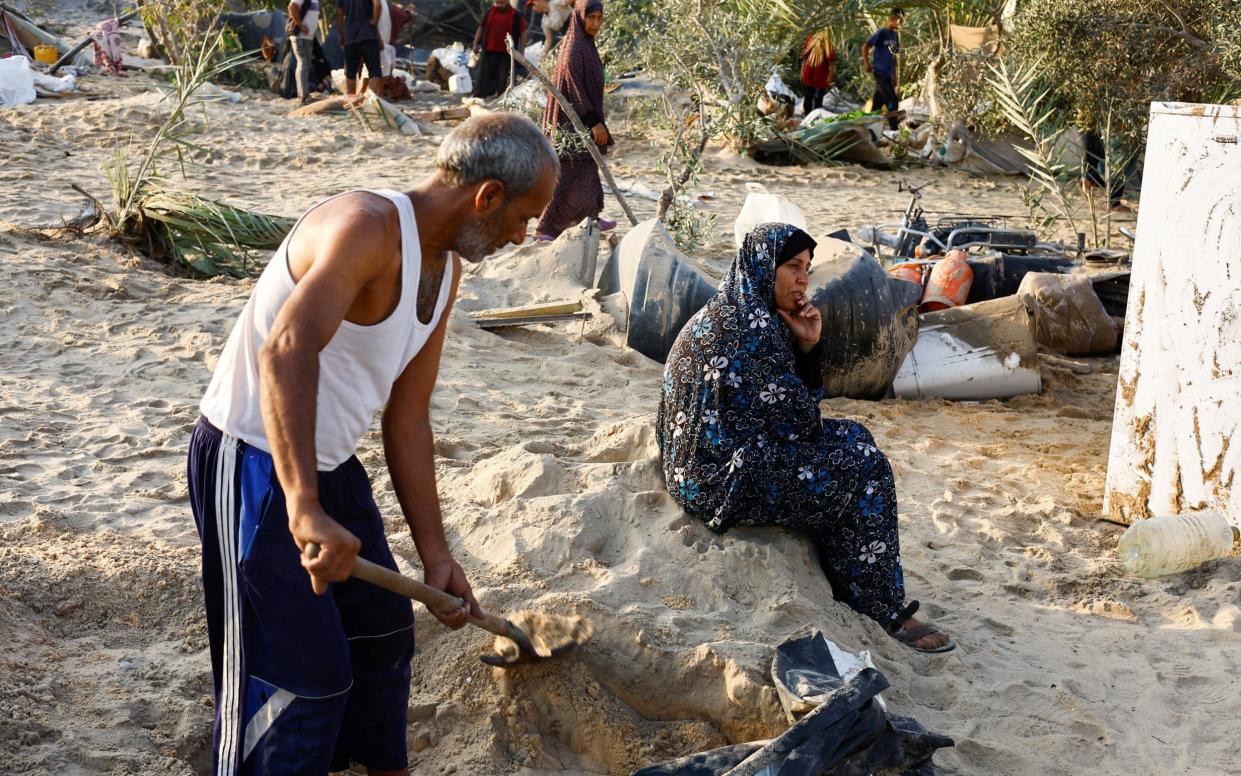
{"points": [[45, 94], [528, 311], [443, 114], [497, 323]]}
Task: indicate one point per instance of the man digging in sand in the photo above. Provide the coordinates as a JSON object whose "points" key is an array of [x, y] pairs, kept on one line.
{"points": [[348, 318]]}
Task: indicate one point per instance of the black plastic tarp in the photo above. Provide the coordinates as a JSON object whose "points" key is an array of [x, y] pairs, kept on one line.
{"points": [[667, 291], [442, 22], [847, 734]]}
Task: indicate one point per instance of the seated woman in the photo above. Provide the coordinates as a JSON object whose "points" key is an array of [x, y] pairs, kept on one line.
{"points": [[743, 441]]}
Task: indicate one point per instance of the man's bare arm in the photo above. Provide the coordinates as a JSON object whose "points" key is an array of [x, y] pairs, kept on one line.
{"points": [[409, 448], [376, 12], [478, 34], [343, 259]]}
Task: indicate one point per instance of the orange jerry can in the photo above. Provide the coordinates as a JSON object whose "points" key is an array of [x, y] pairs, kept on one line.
{"points": [[949, 283], [909, 271]]}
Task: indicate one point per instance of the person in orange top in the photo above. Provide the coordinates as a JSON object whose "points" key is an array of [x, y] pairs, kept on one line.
{"points": [[818, 68]]}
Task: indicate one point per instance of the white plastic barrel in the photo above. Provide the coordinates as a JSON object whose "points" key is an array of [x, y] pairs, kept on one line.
{"points": [[460, 84]]}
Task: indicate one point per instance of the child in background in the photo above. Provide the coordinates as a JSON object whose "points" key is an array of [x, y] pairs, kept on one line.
{"points": [[818, 68]]}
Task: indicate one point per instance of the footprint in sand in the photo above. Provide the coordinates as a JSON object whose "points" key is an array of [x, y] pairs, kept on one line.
{"points": [[937, 691], [1021, 591], [997, 627], [1192, 687], [973, 575]]}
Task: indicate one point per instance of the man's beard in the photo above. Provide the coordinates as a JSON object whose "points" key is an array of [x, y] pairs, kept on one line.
{"points": [[478, 237]]}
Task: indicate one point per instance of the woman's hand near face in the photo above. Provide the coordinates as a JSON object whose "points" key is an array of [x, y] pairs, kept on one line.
{"points": [[806, 324]]}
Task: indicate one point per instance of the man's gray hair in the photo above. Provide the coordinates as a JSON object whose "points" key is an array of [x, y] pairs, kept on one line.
{"points": [[505, 146]]}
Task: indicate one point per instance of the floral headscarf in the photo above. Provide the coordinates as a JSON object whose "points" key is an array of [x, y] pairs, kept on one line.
{"points": [[578, 74], [731, 395]]}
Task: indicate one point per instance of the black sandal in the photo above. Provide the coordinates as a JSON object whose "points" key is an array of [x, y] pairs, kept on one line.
{"points": [[911, 636]]}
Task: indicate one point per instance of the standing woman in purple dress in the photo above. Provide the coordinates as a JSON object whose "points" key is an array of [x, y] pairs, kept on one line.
{"points": [[579, 77]]}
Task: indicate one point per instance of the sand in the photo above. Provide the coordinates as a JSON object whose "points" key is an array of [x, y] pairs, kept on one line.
{"points": [[553, 500]]}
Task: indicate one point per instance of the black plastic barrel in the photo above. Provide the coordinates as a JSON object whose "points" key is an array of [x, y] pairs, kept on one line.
{"points": [[1000, 275], [870, 323], [667, 291]]}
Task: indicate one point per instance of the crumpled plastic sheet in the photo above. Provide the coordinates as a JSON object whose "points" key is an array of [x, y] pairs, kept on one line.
{"points": [[16, 82], [1068, 316], [846, 734]]}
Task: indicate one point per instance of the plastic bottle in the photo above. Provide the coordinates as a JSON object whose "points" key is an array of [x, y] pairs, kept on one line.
{"points": [[1174, 543]]}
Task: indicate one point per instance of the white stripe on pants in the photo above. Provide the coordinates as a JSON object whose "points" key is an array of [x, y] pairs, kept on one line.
{"points": [[226, 534]]}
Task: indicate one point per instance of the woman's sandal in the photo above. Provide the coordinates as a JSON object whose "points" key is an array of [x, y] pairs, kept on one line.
{"points": [[911, 636]]}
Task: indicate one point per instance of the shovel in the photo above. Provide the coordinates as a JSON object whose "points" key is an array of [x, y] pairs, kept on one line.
{"points": [[552, 635]]}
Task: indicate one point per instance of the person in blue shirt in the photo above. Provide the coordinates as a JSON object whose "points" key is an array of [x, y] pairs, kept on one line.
{"points": [[881, 58]]}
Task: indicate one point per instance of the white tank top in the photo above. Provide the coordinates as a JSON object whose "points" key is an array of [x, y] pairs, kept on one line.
{"points": [[356, 369]]}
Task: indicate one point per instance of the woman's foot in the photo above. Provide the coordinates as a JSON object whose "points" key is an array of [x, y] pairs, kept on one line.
{"points": [[918, 635], [605, 225]]}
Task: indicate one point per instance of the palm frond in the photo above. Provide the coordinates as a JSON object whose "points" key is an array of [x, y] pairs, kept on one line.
{"points": [[828, 141], [1025, 104], [865, 14], [211, 237]]}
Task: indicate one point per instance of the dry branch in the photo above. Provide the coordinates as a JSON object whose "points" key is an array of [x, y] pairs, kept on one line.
{"points": [[675, 184]]}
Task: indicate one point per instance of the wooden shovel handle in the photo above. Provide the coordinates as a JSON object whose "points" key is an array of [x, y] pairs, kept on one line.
{"points": [[433, 598]]}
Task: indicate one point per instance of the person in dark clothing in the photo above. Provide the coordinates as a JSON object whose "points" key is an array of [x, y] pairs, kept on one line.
{"points": [[358, 22], [1095, 172], [818, 69], [881, 58], [579, 77], [743, 440], [533, 16], [500, 21], [401, 16], [303, 20]]}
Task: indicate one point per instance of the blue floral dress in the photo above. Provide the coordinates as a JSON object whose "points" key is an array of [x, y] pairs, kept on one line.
{"points": [[743, 441]]}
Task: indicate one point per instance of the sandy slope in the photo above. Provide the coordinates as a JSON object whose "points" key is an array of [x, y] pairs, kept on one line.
{"points": [[553, 497]]}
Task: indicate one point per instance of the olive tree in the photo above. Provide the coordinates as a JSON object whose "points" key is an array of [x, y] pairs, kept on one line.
{"points": [[1115, 57]]}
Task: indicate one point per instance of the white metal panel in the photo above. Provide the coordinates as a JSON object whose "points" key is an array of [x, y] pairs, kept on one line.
{"points": [[1178, 402]]}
